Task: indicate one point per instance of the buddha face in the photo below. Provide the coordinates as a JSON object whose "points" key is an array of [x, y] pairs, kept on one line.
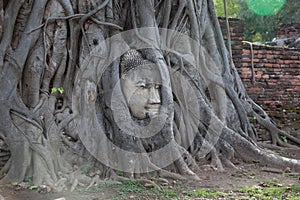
{"points": [[141, 88]]}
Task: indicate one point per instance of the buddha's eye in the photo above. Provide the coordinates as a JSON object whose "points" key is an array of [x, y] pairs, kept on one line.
{"points": [[141, 85]]}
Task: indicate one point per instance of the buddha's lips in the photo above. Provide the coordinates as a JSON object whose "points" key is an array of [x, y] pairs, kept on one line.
{"points": [[153, 109]]}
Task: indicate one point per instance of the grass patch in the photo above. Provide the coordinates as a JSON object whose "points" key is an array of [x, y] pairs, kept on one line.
{"points": [[271, 192], [85, 169], [135, 188], [129, 186], [268, 190], [206, 193], [123, 190], [169, 193]]}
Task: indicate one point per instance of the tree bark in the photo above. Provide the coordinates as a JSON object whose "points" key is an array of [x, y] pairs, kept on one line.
{"points": [[62, 107]]}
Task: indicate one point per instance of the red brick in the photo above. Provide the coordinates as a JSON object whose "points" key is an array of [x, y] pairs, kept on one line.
{"points": [[277, 52], [288, 61], [260, 56], [295, 82], [268, 65], [297, 66], [246, 64], [246, 59], [254, 89], [294, 57], [266, 76], [280, 61], [269, 102], [246, 51]]}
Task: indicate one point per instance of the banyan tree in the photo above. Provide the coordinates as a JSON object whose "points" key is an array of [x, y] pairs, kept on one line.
{"points": [[140, 87]]}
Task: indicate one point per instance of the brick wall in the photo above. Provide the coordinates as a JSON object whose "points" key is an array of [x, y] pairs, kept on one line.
{"points": [[276, 85], [237, 27], [288, 30]]}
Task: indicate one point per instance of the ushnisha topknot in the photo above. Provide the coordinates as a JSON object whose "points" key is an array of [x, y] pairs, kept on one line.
{"points": [[132, 59]]}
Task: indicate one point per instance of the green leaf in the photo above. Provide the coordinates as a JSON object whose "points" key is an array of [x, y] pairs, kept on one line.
{"points": [[33, 187], [232, 8], [60, 90], [284, 139], [14, 183], [53, 90], [27, 178]]}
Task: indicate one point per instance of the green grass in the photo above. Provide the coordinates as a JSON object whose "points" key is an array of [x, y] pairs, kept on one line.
{"points": [[129, 186], [206, 193], [136, 188], [122, 190], [272, 189], [168, 193], [84, 169], [28, 179], [272, 182], [271, 192]]}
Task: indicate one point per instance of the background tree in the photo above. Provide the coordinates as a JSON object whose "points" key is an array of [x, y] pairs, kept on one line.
{"points": [[264, 28], [259, 28], [233, 8], [76, 46]]}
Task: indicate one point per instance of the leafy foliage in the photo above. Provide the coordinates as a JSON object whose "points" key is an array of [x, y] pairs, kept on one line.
{"points": [[283, 138], [33, 187], [264, 28], [232, 8], [258, 27], [55, 89]]}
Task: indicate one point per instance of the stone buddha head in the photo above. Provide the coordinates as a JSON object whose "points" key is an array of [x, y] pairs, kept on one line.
{"points": [[141, 85]]}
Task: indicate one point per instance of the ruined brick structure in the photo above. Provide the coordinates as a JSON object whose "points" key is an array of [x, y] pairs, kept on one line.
{"points": [[274, 80], [237, 27], [288, 30]]}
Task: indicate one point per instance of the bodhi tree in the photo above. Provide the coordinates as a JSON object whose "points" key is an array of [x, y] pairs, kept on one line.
{"points": [[140, 87]]}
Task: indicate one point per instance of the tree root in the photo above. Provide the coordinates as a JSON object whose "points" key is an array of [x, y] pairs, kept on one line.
{"points": [[250, 152], [149, 183], [264, 120]]}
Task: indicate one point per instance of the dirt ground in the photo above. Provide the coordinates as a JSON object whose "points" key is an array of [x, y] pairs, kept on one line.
{"points": [[230, 181]]}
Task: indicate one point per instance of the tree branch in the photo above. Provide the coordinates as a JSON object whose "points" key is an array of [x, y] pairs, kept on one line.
{"points": [[27, 41], [11, 13]]}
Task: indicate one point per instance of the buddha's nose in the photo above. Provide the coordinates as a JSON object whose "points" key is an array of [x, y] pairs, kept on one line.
{"points": [[154, 96]]}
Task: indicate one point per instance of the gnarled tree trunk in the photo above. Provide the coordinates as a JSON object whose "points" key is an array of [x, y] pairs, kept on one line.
{"points": [[62, 106]]}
